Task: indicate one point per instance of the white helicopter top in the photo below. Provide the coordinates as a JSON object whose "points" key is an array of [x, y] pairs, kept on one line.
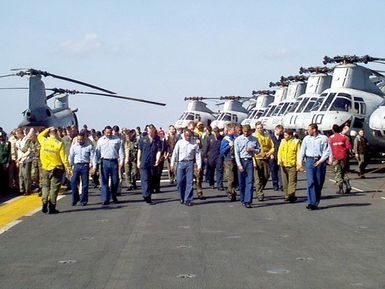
{"points": [[297, 117], [296, 87], [352, 98], [262, 99], [233, 112], [280, 94], [196, 111]]}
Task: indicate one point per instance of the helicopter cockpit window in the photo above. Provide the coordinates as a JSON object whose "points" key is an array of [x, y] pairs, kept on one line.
{"points": [[270, 111], [341, 104], [284, 108], [277, 109], [317, 103], [345, 95], [190, 116], [303, 104], [182, 116], [259, 114], [226, 117], [293, 108], [327, 102]]}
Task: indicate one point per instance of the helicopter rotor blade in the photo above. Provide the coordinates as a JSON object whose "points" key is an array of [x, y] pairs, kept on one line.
{"points": [[45, 73], [61, 90], [125, 97], [13, 87], [7, 75]]}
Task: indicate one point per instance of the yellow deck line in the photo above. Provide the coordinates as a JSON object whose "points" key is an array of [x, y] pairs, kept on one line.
{"points": [[18, 208]]}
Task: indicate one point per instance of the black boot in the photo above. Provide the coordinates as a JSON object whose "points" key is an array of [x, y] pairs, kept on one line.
{"points": [[340, 189], [52, 209], [348, 187], [44, 208]]}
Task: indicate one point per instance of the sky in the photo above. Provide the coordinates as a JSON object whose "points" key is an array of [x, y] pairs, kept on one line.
{"points": [[167, 50]]}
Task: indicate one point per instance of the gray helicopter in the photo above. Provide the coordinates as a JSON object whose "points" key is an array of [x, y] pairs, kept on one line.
{"points": [[39, 114], [298, 116], [258, 105], [233, 111], [296, 86], [351, 99]]}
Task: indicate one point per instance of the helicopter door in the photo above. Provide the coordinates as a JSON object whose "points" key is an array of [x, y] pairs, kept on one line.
{"points": [[197, 117], [235, 118]]}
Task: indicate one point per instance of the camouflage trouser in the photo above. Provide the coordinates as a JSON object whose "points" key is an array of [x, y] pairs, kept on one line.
{"points": [[261, 176], [25, 177], [289, 181], [231, 173], [36, 172], [339, 167], [131, 173], [198, 180], [51, 183]]}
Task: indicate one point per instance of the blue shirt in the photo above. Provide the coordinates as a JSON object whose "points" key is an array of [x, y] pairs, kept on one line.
{"points": [[186, 151], [81, 153], [225, 147], [317, 146], [241, 143], [108, 148], [148, 150]]}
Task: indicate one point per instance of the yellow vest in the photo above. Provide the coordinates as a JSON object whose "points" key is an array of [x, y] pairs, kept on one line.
{"points": [[52, 154], [288, 152], [266, 145]]}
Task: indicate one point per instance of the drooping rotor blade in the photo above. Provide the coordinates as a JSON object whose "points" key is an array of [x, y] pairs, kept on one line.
{"points": [[24, 88], [127, 98], [7, 75], [45, 73], [60, 90]]}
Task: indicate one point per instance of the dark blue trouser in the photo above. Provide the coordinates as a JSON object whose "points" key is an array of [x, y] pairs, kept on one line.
{"points": [[80, 171], [215, 167], [185, 180], [275, 174], [315, 181], [246, 181], [147, 180], [109, 168]]}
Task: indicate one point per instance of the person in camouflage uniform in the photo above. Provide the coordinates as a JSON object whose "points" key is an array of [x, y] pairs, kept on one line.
{"points": [[130, 159], [230, 166], [36, 164], [5, 157]]}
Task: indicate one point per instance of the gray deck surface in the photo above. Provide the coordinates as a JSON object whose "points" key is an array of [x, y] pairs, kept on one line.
{"points": [[214, 244]]}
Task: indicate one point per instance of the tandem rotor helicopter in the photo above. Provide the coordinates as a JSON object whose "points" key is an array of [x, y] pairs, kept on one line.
{"points": [[39, 114], [262, 99]]}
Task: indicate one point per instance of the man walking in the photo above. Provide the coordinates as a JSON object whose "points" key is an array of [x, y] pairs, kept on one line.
{"points": [[275, 171], [340, 147], [288, 161], [149, 153], [5, 157], [109, 151], [130, 161], [315, 151], [245, 147], [361, 150], [54, 162], [230, 166], [186, 152], [80, 157], [261, 160], [213, 159]]}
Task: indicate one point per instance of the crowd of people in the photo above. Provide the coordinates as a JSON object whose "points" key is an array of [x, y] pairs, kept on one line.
{"points": [[235, 160]]}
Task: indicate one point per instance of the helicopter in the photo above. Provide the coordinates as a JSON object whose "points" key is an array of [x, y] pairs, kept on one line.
{"points": [[351, 99], [296, 86], [258, 106], [377, 118], [196, 111], [298, 115], [233, 111], [39, 114]]}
